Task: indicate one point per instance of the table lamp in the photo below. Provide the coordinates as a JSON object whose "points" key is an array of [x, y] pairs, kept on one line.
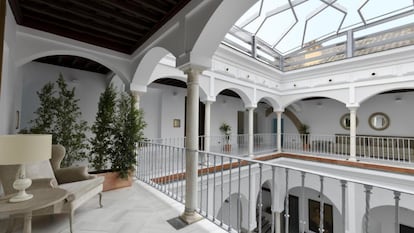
{"points": [[21, 149]]}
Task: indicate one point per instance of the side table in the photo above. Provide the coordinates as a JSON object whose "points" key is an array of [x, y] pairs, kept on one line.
{"points": [[41, 198]]}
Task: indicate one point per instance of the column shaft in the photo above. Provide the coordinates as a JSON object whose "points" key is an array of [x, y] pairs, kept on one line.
{"points": [[190, 214], [352, 134], [207, 121], [251, 138], [279, 131]]}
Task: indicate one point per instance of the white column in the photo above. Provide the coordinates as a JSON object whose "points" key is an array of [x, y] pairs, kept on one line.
{"points": [[190, 215], [279, 131], [352, 133], [368, 192], [207, 121], [397, 211], [251, 132], [302, 220], [137, 96], [351, 223], [344, 212]]}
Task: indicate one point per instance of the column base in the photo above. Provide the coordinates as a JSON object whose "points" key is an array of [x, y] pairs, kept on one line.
{"points": [[352, 159], [190, 217]]}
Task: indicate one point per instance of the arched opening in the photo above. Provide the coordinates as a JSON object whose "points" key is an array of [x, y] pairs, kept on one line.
{"points": [[317, 125], [382, 219], [231, 211], [89, 79]]}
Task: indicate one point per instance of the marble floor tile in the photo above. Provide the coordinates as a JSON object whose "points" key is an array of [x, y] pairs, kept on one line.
{"points": [[137, 209]]}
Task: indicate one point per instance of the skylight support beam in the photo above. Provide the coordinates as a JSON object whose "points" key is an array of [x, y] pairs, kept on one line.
{"points": [[350, 43], [360, 12], [254, 47], [290, 27]]}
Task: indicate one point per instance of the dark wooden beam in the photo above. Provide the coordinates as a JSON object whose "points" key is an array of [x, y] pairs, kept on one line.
{"points": [[82, 13], [76, 34], [127, 8], [15, 6], [131, 21], [150, 5], [167, 17], [90, 25]]}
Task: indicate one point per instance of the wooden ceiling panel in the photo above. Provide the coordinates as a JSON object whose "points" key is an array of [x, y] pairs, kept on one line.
{"points": [[120, 25]]}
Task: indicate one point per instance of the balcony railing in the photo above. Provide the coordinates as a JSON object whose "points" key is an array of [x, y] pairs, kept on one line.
{"points": [[231, 195]]}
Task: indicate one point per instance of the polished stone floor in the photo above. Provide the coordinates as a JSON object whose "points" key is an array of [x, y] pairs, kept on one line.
{"points": [[138, 209]]}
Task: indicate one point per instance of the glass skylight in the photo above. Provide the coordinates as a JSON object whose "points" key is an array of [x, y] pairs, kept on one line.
{"points": [[288, 25]]}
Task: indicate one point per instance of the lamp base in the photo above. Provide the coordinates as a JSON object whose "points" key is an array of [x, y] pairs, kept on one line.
{"points": [[21, 196], [21, 185]]}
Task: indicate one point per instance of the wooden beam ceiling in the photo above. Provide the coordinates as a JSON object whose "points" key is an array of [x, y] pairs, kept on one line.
{"points": [[120, 25]]}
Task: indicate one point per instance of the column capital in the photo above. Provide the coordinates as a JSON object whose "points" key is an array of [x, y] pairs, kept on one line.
{"points": [[137, 93], [192, 68], [279, 110], [208, 100], [139, 88], [251, 107], [353, 107]]}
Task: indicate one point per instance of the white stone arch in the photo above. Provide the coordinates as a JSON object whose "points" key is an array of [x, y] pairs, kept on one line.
{"points": [[338, 95], [117, 70], [312, 194], [242, 92], [381, 218], [367, 92], [144, 72], [217, 26], [274, 102]]}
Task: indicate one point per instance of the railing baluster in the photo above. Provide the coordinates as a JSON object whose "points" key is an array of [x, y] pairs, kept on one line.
{"points": [[214, 188], [321, 208], [229, 229], [260, 197], [238, 199], [287, 202]]}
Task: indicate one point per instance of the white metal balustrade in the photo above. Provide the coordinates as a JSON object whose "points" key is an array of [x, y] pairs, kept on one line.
{"points": [[373, 148], [230, 191]]}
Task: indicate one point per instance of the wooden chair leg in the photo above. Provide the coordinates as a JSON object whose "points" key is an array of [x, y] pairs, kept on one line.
{"points": [[100, 200], [71, 214]]}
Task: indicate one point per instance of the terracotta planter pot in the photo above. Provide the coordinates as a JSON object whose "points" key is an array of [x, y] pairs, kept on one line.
{"points": [[227, 147], [112, 181]]}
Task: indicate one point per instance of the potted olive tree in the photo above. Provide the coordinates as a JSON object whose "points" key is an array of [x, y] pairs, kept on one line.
{"points": [[129, 126], [118, 128], [226, 130]]}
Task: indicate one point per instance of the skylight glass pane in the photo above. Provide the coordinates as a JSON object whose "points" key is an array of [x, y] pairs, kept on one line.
{"points": [[385, 26], [273, 28], [324, 23], [352, 17], [252, 13], [376, 8]]}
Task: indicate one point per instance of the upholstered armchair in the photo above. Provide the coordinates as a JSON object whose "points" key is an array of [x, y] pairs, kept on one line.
{"points": [[48, 174]]}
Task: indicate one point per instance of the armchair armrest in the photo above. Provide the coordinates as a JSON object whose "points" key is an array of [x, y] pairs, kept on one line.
{"points": [[43, 183], [72, 174]]}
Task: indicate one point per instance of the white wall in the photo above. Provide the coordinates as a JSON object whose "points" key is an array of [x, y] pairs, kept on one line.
{"points": [[324, 118], [162, 104], [88, 86]]}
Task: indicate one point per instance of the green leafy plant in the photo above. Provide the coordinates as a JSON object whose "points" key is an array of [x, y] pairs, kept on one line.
{"points": [[59, 115], [303, 129], [226, 130], [128, 132], [103, 130]]}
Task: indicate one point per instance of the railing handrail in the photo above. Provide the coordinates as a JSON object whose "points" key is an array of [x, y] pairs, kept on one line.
{"points": [[318, 173]]}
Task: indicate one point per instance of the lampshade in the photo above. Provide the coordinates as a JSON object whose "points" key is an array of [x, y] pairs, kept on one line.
{"points": [[24, 148]]}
